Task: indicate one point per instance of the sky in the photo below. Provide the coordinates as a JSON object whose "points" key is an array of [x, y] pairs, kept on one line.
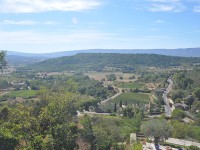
{"points": [[42, 26]]}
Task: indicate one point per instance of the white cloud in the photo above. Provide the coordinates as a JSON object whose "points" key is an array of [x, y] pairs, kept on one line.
{"points": [[30, 37], [13, 22], [168, 7], [50, 23], [34, 6], [165, 1], [74, 20], [26, 22], [196, 9], [161, 5], [160, 21]]}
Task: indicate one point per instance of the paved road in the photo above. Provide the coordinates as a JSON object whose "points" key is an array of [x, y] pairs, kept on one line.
{"points": [[90, 113], [182, 142], [168, 110], [151, 146]]}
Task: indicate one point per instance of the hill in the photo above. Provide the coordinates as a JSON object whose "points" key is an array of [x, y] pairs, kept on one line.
{"points": [[22, 60], [97, 62], [187, 52]]}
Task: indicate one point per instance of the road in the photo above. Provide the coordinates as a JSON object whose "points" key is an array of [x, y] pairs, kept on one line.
{"points": [[101, 103], [182, 142], [168, 109], [151, 146], [90, 113], [110, 98]]}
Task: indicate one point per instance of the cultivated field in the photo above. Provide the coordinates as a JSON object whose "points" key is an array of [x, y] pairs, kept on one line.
{"points": [[130, 85], [126, 77], [132, 98]]}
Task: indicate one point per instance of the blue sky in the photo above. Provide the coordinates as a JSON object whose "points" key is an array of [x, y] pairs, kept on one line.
{"points": [[39, 26]]}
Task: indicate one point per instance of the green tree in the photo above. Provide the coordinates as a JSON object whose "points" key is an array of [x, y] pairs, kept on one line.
{"points": [[128, 112], [197, 93], [7, 140], [120, 103], [111, 77], [87, 131], [178, 114], [115, 107], [179, 130], [193, 148], [2, 60], [4, 84], [157, 128], [189, 101], [137, 146]]}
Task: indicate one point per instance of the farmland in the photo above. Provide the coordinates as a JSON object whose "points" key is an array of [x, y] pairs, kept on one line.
{"points": [[130, 85], [132, 98], [120, 77], [24, 94]]}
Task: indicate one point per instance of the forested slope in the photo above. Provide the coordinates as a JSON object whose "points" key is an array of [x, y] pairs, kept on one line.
{"points": [[91, 61]]}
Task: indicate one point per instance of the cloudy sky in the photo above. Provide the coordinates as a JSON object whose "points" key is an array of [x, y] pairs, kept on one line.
{"points": [[38, 26]]}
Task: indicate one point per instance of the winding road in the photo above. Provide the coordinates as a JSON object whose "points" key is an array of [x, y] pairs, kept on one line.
{"points": [[168, 109]]}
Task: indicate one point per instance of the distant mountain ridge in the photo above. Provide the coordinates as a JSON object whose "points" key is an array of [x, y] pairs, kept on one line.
{"points": [[23, 60], [183, 52]]}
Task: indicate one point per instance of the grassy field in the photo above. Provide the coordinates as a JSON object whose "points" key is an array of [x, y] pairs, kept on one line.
{"points": [[132, 98], [130, 85], [102, 75], [26, 94]]}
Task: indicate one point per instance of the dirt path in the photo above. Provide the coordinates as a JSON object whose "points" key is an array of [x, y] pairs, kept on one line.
{"points": [[110, 98]]}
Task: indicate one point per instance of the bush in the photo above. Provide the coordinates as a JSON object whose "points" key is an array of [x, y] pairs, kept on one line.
{"points": [[137, 146], [193, 148]]}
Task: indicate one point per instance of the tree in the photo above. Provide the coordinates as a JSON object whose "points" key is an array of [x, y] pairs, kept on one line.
{"points": [[178, 114], [157, 128], [4, 84], [137, 146], [128, 112], [7, 140], [189, 101], [115, 107], [197, 93], [178, 94], [120, 103], [2, 60], [87, 131], [111, 77], [179, 130], [193, 148]]}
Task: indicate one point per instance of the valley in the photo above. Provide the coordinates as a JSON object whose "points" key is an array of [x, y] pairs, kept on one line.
{"points": [[109, 100]]}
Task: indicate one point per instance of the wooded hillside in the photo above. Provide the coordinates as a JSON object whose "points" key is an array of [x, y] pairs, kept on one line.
{"points": [[97, 62]]}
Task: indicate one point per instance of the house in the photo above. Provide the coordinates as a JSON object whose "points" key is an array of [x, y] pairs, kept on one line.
{"points": [[181, 106]]}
